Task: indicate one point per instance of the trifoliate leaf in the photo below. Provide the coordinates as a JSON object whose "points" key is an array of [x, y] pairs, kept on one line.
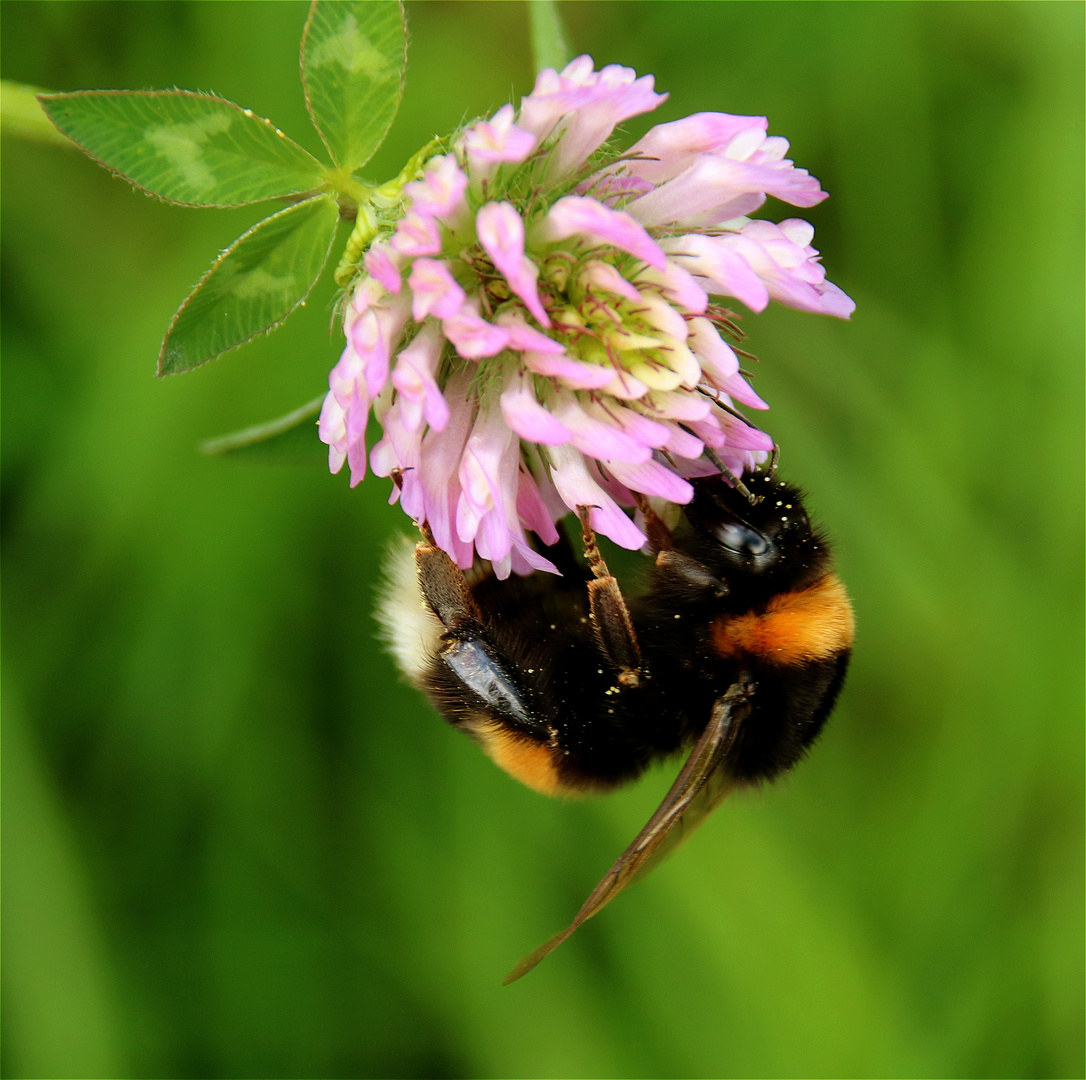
{"points": [[253, 285], [353, 60], [184, 147]]}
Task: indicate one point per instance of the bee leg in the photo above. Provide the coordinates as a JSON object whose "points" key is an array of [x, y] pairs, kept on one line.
{"points": [[469, 657], [562, 555], [614, 628], [443, 586], [659, 534]]}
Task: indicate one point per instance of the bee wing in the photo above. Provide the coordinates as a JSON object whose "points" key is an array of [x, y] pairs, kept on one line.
{"points": [[698, 789]]}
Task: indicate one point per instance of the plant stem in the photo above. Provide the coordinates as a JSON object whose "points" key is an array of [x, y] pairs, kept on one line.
{"points": [[21, 115], [550, 46]]}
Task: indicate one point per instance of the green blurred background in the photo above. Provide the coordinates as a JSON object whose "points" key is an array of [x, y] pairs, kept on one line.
{"points": [[237, 846]]}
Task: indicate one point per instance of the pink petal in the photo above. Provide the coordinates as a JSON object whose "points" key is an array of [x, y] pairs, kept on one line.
{"points": [[652, 478], [525, 337], [583, 106], [679, 286], [577, 215], [501, 232], [332, 429], [674, 405], [573, 373], [603, 276], [726, 214], [712, 180], [625, 386], [381, 263], [577, 488], [675, 145], [414, 380], [726, 271], [438, 468], [525, 559], [434, 291], [612, 187], [532, 510], [416, 235], [474, 336], [357, 417], [635, 424], [596, 437], [498, 139], [791, 271], [683, 443], [530, 420], [371, 336], [440, 192], [480, 508], [717, 359]]}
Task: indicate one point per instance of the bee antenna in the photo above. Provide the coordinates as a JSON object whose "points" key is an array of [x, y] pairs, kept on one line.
{"points": [[774, 460], [732, 478]]}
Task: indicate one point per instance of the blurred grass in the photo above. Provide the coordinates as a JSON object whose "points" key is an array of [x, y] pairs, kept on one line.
{"points": [[236, 846]]}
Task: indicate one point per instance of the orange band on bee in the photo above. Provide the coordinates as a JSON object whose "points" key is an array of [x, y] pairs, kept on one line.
{"points": [[530, 762], [813, 624]]}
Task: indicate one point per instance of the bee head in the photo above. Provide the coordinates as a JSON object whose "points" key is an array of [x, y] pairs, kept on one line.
{"points": [[758, 530]]}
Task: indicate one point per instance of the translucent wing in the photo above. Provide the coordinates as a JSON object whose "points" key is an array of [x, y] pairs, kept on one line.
{"points": [[698, 790]]}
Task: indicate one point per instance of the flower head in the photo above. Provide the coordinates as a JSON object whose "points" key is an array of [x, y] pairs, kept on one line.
{"points": [[538, 325]]}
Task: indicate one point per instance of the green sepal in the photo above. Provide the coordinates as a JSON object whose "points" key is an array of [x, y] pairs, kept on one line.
{"points": [[353, 59], [288, 440], [183, 147], [252, 286]]}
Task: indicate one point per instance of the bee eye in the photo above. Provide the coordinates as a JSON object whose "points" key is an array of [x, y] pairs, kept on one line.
{"points": [[740, 538]]}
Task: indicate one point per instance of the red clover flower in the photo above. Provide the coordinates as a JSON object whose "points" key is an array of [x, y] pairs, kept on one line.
{"points": [[535, 324]]}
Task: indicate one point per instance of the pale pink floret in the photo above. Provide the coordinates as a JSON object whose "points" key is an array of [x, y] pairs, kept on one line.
{"points": [[488, 142], [678, 285], [434, 291], [440, 192], [382, 263], [713, 181], [572, 373], [651, 478], [528, 418], [583, 106], [576, 488], [525, 337], [332, 429], [576, 215], [344, 416], [472, 335], [782, 257], [372, 334], [480, 510], [487, 513], [635, 424], [594, 435], [501, 232], [605, 277], [416, 234], [668, 149], [724, 270], [438, 468], [420, 396]]}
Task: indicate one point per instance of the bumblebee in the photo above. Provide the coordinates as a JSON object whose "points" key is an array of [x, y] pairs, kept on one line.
{"points": [[736, 652]]}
